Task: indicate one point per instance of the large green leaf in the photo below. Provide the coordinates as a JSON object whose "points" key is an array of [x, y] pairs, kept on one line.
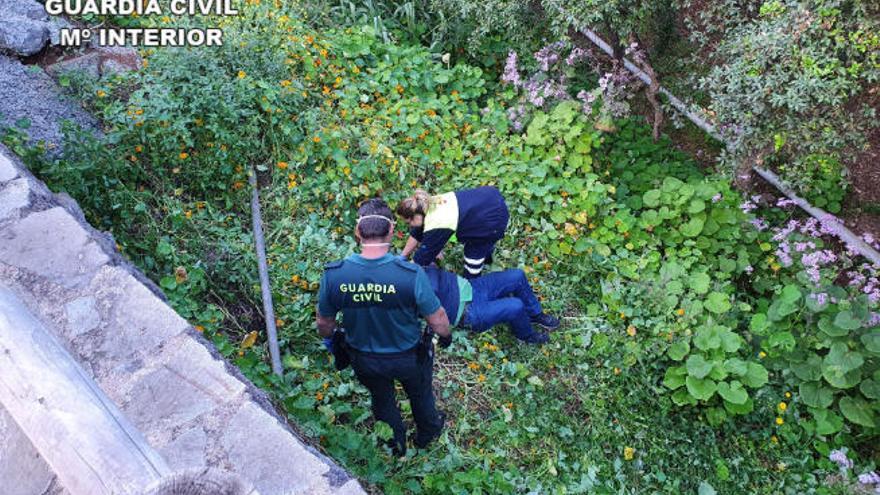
{"points": [[698, 367], [730, 341], [790, 294], [870, 389], [736, 366], [815, 395], [784, 340], [829, 328], [700, 389], [809, 370], [857, 411], [708, 337], [682, 397], [733, 392], [847, 321], [840, 366], [718, 302], [651, 198], [871, 340], [759, 324], [700, 283], [740, 408], [674, 377], [692, 227], [678, 350], [827, 422], [756, 376]]}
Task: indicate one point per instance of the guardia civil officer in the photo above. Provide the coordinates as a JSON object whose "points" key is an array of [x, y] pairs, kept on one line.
{"points": [[478, 218], [382, 298]]}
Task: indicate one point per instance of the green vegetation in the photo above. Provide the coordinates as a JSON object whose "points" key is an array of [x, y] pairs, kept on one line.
{"points": [[700, 351]]}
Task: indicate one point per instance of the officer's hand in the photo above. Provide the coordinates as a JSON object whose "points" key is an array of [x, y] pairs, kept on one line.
{"points": [[445, 341]]}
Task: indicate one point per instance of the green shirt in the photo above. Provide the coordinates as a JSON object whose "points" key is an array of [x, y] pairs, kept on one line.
{"points": [[465, 295]]}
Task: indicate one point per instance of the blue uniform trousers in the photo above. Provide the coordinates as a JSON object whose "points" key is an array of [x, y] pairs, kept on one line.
{"points": [[502, 297], [378, 372]]}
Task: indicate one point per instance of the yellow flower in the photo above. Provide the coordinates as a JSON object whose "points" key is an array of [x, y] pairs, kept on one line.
{"points": [[474, 366], [184, 155], [680, 312], [782, 406], [138, 149], [282, 165], [631, 331], [628, 453], [285, 83], [242, 74], [316, 139], [101, 93], [788, 395], [774, 439], [762, 354], [780, 421], [200, 328], [481, 378], [188, 214]]}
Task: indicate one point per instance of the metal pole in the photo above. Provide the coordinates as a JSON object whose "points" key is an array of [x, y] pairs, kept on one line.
{"points": [[265, 287], [844, 234]]}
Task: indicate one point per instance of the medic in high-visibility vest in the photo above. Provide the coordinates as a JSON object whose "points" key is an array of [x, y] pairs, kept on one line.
{"points": [[478, 218]]}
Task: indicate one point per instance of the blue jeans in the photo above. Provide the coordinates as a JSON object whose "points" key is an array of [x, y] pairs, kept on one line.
{"points": [[502, 297]]}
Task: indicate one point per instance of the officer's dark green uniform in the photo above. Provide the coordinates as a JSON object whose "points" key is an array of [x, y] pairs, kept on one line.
{"points": [[381, 302]]}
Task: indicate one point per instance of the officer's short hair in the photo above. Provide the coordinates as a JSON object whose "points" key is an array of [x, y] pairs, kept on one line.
{"points": [[373, 228]]}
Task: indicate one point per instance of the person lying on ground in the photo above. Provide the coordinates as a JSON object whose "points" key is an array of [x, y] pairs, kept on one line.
{"points": [[498, 297], [478, 218]]}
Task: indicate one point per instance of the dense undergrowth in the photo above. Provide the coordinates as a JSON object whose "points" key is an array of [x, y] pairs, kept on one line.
{"points": [[701, 351]]}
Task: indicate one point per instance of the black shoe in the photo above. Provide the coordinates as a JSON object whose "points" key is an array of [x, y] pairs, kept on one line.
{"points": [[424, 443], [538, 338], [545, 321], [397, 450]]}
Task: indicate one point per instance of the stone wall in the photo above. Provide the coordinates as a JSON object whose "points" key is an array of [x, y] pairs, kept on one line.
{"points": [[194, 408]]}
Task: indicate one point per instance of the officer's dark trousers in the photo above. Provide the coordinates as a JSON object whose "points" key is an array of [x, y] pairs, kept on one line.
{"points": [[378, 372]]}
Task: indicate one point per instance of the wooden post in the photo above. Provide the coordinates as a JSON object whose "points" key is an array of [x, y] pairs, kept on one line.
{"points": [[79, 431], [265, 286]]}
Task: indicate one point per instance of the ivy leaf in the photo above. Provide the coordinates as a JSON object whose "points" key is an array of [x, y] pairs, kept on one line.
{"points": [[857, 411], [718, 303], [815, 395], [700, 389], [698, 367], [733, 392], [756, 376]]}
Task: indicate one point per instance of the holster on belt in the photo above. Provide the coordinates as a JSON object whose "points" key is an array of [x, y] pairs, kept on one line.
{"points": [[425, 348], [341, 357]]}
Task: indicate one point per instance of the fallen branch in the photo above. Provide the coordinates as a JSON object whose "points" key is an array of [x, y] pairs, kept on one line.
{"points": [[847, 236]]}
